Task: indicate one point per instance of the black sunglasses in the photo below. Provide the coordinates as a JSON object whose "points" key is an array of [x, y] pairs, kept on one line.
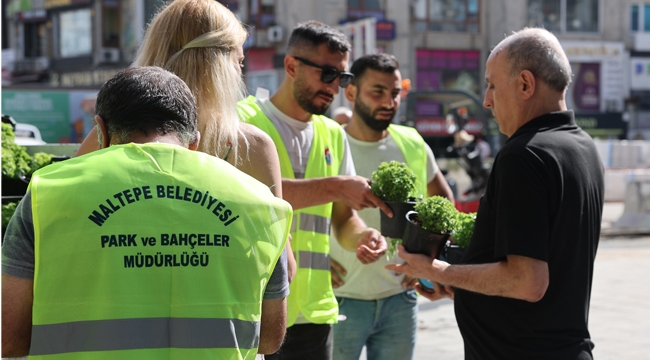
{"points": [[329, 73]]}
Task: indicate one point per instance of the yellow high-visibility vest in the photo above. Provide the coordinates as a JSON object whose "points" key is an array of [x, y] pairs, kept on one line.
{"points": [[412, 145], [151, 251], [311, 289]]}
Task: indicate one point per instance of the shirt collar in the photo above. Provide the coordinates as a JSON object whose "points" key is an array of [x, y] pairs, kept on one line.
{"points": [[546, 121]]}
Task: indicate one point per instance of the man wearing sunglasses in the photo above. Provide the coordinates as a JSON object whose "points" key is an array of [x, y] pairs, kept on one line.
{"points": [[319, 181]]}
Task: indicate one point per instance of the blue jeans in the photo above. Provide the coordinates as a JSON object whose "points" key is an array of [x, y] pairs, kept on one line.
{"points": [[387, 327]]}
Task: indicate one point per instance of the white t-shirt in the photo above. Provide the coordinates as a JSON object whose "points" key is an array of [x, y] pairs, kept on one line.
{"points": [[298, 136], [373, 281]]}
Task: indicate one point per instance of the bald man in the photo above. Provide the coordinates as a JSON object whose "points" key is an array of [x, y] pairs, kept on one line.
{"points": [[523, 288]]}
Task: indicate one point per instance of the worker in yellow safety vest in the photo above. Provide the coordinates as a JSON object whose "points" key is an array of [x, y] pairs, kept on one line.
{"points": [[318, 180], [144, 249]]}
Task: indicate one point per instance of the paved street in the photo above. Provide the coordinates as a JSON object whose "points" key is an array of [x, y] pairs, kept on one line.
{"points": [[619, 319]]}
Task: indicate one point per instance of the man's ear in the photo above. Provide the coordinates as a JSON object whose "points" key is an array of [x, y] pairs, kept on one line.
{"points": [[290, 66], [101, 129], [527, 84], [351, 92], [195, 144]]}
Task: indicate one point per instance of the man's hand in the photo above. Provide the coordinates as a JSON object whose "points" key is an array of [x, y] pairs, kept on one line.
{"points": [[417, 265], [337, 270], [371, 246], [292, 267], [439, 291], [355, 192], [409, 282]]}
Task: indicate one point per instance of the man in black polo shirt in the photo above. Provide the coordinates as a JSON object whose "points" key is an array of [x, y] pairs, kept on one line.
{"points": [[524, 289]]}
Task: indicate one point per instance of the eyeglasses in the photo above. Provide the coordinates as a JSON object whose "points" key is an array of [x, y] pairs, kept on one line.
{"points": [[329, 73]]}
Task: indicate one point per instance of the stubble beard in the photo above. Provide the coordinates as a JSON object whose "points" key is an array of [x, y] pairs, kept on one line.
{"points": [[306, 98], [368, 116]]}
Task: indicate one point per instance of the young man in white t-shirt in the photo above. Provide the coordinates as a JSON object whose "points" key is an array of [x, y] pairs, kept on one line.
{"points": [[379, 306]]}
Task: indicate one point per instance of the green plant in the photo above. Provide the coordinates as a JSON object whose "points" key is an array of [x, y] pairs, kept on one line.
{"points": [[39, 160], [464, 229], [15, 160], [7, 212], [394, 181], [392, 248], [437, 214]]}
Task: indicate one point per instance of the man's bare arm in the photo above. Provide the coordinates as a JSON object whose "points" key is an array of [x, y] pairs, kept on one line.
{"points": [[274, 325], [439, 186], [17, 301], [89, 144], [517, 277], [354, 191], [353, 234]]}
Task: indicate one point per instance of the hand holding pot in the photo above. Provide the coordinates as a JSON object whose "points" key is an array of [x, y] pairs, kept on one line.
{"points": [[371, 246], [419, 266], [355, 192], [439, 291]]}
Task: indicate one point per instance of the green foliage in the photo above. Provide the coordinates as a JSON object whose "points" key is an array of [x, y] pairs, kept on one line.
{"points": [[40, 160], [464, 229], [7, 134], [394, 181], [7, 212], [15, 160], [437, 214], [392, 248]]}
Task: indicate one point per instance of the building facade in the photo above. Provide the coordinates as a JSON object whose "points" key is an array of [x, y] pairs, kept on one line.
{"points": [[440, 44]]}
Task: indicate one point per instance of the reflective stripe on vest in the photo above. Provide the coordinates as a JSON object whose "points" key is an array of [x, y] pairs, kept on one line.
{"points": [[311, 222], [412, 145], [311, 290], [313, 260], [129, 334]]}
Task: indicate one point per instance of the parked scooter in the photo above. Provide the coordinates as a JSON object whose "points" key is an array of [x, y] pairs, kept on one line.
{"points": [[470, 159]]}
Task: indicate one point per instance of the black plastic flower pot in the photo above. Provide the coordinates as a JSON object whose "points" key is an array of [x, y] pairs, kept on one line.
{"points": [[420, 241], [394, 227], [453, 253]]}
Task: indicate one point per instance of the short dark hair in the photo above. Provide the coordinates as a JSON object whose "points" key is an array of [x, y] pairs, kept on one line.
{"points": [[148, 100], [313, 33], [385, 63]]}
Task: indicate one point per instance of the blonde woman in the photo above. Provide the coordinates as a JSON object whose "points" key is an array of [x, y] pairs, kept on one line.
{"points": [[201, 42]]}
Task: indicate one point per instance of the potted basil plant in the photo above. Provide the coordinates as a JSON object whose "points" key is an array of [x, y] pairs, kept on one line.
{"points": [[428, 228], [395, 184], [455, 248]]}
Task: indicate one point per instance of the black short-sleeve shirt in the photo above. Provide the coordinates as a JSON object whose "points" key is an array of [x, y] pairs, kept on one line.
{"points": [[544, 200]]}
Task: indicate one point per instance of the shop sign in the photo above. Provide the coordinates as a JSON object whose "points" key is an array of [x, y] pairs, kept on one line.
{"points": [[17, 6], [590, 50], [438, 126], [82, 78], [61, 116], [385, 30], [31, 16], [605, 125], [613, 65], [640, 79], [51, 4]]}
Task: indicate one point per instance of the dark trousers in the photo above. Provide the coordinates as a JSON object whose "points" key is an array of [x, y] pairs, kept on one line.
{"points": [[306, 342]]}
